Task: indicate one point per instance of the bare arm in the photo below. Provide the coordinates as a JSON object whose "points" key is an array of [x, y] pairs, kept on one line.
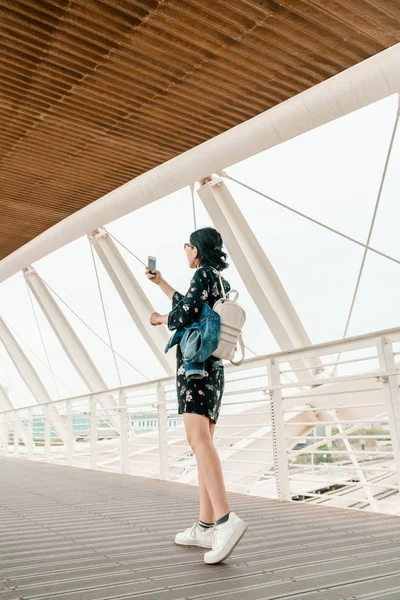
{"points": [[157, 278], [156, 318], [166, 288]]}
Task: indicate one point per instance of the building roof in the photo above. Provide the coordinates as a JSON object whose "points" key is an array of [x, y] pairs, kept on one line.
{"points": [[92, 94]]}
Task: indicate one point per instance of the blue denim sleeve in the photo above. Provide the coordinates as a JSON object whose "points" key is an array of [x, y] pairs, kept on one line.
{"points": [[188, 308]]}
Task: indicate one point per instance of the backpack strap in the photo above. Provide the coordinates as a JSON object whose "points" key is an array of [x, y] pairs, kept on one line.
{"points": [[237, 363], [218, 273], [226, 295]]}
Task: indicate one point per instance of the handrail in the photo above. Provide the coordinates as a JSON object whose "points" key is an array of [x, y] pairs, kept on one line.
{"points": [[264, 427], [249, 363]]}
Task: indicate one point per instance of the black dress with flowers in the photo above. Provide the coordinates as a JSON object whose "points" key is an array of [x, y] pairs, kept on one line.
{"points": [[202, 396]]}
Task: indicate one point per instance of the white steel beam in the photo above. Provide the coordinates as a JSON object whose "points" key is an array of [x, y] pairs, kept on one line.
{"points": [[365, 83], [73, 347], [67, 337], [30, 377], [132, 296], [5, 402], [257, 273]]}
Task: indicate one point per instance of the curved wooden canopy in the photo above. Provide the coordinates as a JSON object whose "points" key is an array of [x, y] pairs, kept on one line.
{"points": [[96, 92]]}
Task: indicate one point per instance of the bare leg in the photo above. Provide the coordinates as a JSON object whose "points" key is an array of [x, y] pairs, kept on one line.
{"points": [[208, 462], [206, 509]]}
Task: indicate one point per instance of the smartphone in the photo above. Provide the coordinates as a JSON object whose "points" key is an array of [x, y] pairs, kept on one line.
{"points": [[151, 263]]}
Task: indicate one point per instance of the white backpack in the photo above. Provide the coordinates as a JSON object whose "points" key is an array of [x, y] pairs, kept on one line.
{"points": [[232, 318]]}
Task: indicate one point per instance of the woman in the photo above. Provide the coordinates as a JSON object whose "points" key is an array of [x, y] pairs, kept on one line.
{"points": [[199, 401]]}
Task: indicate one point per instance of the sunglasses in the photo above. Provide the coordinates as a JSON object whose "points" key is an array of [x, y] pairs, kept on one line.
{"points": [[186, 244]]}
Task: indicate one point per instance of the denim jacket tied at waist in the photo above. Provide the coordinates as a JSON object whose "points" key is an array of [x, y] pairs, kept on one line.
{"points": [[197, 342]]}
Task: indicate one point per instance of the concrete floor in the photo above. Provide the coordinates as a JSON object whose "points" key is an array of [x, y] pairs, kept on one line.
{"points": [[75, 534]]}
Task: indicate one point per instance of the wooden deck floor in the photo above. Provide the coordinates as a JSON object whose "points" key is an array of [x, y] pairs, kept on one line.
{"points": [[74, 534]]}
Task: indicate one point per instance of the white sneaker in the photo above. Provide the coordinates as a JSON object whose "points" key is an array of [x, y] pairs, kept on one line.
{"points": [[194, 536], [226, 536]]}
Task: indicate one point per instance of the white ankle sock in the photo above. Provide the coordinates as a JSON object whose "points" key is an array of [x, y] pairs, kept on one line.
{"points": [[204, 526]]}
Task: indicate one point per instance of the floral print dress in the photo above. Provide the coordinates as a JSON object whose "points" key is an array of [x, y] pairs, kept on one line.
{"points": [[202, 396]]}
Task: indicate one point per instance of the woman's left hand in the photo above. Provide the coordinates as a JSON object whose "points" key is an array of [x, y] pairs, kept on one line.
{"points": [[155, 319]]}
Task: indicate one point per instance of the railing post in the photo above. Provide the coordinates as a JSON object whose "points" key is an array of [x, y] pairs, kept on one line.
{"points": [[16, 434], [6, 435], [11, 429], [46, 433], [278, 433], [2, 434], [29, 434], [392, 397], [70, 433], [93, 432], [162, 430], [123, 448]]}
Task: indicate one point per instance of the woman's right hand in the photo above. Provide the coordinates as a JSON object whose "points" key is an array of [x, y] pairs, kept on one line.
{"points": [[155, 276]]}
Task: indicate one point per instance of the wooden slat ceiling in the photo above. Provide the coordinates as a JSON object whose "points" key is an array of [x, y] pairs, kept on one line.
{"points": [[95, 92]]}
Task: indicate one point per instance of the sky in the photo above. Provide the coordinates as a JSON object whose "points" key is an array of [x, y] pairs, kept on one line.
{"points": [[331, 174]]}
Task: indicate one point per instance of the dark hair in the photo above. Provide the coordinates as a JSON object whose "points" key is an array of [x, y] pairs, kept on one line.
{"points": [[208, 242]]}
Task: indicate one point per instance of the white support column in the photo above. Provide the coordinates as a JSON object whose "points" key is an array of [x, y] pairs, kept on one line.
{"points": [[124, 448], [93, 431], [132, 295], [30, 377], [67, 337], [391, 394], [69, 340], [257, 273], [5, 402], [162, 430], [278, 433]]}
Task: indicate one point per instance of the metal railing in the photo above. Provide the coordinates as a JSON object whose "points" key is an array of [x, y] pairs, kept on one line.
{"points": [[332, 438]]}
